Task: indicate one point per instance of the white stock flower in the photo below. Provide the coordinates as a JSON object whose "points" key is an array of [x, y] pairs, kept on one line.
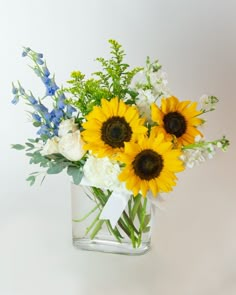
{"points": [[208, 103], [102, 172], [67, 126], [51, 146], [158, 77], [193, 157], [145, 99], [71, 146], [160, 84], [219, 145]]}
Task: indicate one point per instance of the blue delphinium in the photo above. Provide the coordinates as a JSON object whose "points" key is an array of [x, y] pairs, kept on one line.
{"points": [[41, 70], [36, 117], [47, 120], [51, 86]]}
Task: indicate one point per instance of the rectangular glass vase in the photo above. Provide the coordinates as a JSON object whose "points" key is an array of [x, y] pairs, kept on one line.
{"points": [[130, 236]]}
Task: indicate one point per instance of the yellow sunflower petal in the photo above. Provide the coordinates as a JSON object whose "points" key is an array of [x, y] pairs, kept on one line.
{"points": [[181, 120], [112, 124], [150, 166], [156, 113]]}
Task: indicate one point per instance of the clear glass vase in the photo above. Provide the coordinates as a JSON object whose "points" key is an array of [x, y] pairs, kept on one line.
{"points": [[130, 236]]}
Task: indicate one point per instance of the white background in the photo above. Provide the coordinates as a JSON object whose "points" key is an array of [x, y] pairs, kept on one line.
{"points": [[194, 244]]}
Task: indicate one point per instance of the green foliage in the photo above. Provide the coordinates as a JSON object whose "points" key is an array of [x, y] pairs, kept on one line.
{"points": [[53, 164], [86, 93], [76, 173], [31, 179], [56, 167], [18, 147], [113, 80]]}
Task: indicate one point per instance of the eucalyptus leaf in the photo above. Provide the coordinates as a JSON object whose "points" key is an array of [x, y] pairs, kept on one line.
{"points": [[76, 174], [18, 147], [31, 179], [56, 168], [29, 144]]}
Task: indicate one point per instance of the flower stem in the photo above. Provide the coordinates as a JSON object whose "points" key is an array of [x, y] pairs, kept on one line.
{"points": [[97, 228], [87, 215], [92, 224]]}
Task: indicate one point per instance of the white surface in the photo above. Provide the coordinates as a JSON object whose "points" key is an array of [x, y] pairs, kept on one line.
{"points": [[194, 246]]}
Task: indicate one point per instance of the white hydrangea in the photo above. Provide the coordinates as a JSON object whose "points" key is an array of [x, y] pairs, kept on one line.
{"points": [[102, 172], [67, 126], [51, 146]]}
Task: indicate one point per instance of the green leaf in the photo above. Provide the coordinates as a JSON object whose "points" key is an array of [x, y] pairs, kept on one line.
{"points": [[31, 179], [146, 229], [76, 174], [56, 168], [146, 220], [34, 173], [37, 124], [31, 140], [18, 147], [42, 179], [137, 201], [29, 144], [97, 229]]}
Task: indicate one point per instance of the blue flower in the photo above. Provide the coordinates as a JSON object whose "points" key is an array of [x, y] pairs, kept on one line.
{"points": [[58, 113], [15, 100], [46, 80], [21, 90], [47, 117], [43, 130], [14, 89], [39, 61], [55, 131], [40, 108], [46, 71], [26, 51], [32, 100], [56, 116], [56, 121], [39, 55], [61, 104], [51, 87], [36, 117], [70, 110], [62, 96]]}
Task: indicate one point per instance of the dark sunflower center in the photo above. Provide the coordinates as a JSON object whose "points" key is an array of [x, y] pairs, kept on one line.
{"points": [[148, 164], [174, 123], [115, 131]]}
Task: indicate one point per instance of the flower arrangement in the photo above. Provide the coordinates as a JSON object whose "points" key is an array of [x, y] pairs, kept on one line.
{"points": [[121, 133]]}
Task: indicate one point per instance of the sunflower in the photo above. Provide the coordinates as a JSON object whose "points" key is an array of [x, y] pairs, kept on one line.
{"points": [[150, 164], [110, 125], [177, 120]]}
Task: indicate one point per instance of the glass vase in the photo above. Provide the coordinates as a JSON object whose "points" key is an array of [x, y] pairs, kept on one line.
{"points": [[132, 233]]}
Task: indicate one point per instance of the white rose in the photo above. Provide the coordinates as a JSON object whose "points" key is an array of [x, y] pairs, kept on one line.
{"points": [[51, 146], [67, 126], [102, 172], [71, 146]]}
